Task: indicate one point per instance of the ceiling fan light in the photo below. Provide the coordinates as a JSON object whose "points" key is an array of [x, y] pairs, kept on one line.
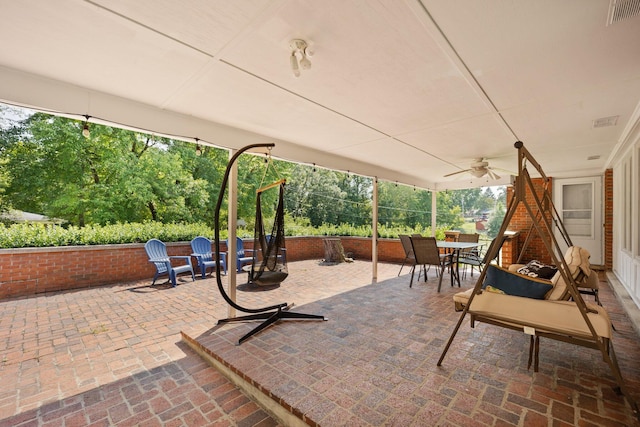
{"points": [[478, 173], [302, 47], [304, 62], [294, 65]]}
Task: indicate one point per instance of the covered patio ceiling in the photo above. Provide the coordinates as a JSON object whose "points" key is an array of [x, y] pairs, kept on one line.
{"points": [[404, 90]]}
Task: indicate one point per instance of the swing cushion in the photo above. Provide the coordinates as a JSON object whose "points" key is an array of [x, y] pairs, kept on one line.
{"points": [[267, 278], [516, 284], [577, 259]]}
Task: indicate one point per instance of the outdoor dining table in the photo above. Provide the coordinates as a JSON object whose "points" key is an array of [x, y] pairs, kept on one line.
{"points": [[455, 248]]}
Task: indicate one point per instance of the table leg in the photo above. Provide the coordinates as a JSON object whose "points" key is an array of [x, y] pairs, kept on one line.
{"points": [[455, 271]]}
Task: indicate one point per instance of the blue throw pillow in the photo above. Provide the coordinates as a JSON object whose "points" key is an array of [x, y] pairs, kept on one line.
{"points": [[515, 284]]}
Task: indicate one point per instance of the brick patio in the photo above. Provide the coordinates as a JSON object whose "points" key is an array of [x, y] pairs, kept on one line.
{"points": [[113, 355]]}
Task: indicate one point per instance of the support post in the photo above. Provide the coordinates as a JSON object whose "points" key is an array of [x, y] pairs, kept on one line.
{"points": [[434, 208], [232, 220], [374, 237]]}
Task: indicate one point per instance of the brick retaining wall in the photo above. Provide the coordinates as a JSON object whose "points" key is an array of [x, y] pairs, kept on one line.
{"points": [[28, 271]]}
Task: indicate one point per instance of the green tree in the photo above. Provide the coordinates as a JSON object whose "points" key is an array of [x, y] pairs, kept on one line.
{"points": [[448, 212], [113, 175], [4, 183], [495, 222], [401, 205], [315, 193], [357, 207], [467, 199]]}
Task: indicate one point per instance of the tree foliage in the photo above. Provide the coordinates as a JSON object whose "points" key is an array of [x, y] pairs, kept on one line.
{"points": [[495, 222], [118, 176]]}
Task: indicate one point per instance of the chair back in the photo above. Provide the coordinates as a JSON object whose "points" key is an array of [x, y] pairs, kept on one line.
{"points": [[496, 241], [406, 245], [425, 250], [468, 238], [239, 247], [157, 253], [202, 246]]}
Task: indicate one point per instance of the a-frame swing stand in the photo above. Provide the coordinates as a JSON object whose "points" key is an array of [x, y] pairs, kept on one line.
{"points": [[271, 314], [544, 216]]}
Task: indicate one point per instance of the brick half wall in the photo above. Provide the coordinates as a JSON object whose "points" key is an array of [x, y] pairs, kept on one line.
{"points": [[29, 271]]}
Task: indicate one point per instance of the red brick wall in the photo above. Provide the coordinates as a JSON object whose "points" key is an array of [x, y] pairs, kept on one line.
{"points": [[608, 219], [35, 270], [521, 221]]}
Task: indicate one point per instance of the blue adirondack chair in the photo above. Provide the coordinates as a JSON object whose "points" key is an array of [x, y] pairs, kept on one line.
{"points": [[282, 253], [157, 253], [244, 256], [201, 247]]}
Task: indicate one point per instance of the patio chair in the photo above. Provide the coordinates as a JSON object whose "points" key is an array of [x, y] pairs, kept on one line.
{"points": [[475, 259], [282, 252], [425, 250], [201, 247], [243, 256], [463, 253], [157, 253], [408, 251]]}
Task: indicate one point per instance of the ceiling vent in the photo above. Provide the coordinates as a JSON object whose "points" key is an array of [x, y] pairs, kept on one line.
{"points": [[619, 10], [605, 121]]}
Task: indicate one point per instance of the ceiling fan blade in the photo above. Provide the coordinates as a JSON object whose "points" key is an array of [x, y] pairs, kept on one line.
{"points": [[492, 174], [508, 172], [456, 173]]}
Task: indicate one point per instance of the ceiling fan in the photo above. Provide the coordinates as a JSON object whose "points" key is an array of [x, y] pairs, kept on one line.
{"points": [[478, 168]]}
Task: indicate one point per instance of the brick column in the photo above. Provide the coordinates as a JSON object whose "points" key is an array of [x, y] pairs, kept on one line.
{"points": [[608, 219]]}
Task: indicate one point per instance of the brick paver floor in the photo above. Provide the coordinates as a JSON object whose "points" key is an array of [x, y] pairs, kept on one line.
{"points": [[112, 356]]}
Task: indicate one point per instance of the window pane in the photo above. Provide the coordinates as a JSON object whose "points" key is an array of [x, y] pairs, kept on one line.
{"points": [[577, 200], [576, 196], [578, 223]]}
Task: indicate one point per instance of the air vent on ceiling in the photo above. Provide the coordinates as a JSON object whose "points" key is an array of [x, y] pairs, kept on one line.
{"points": [[605, 121], [619, 10], [593, 158]]}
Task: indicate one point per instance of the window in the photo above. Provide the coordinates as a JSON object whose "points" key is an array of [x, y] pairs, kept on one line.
{"points": [[627, 205], [577, 209]]}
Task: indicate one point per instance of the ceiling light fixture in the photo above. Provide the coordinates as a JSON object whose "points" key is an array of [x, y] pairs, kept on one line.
{"points": [[300, 49]]}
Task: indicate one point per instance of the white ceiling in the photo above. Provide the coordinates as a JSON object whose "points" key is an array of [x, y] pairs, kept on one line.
{"points": [[404, 90]]}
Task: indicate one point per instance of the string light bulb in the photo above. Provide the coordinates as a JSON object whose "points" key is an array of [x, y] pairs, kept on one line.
{"points": [[198, 148], [85, 129]]}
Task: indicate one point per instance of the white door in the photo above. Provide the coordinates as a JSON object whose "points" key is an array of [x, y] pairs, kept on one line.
{"points": [[579, 204]]}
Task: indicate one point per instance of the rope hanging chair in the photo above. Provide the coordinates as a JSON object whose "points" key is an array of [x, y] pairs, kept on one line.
{"points": [[269, 267], [261, 274]]}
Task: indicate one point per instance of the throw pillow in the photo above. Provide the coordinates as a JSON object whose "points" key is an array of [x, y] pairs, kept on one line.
{"points": [[536, 268], [515, 284], [491, 289]]}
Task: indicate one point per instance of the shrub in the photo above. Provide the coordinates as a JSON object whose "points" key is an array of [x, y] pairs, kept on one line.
{"points": [[41, 235]]}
